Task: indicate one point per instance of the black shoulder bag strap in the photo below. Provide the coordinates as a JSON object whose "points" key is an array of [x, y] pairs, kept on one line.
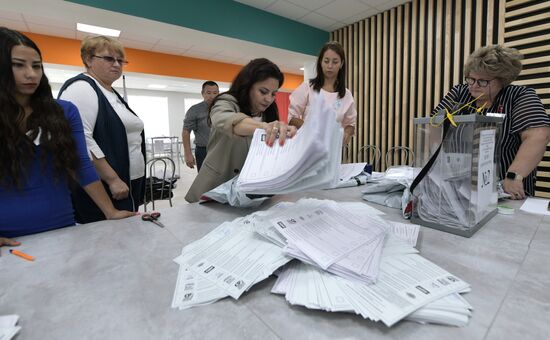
{"points": [[428, 166]]}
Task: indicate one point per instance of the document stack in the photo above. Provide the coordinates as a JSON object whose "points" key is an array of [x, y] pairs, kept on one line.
{"points": [[404, 282], [226, 262], [409, 286], [348, 259], [309, 160], [324, 235]]}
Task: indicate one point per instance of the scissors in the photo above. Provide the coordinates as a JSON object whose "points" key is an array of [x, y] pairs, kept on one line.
{"points": [[152, 217]]}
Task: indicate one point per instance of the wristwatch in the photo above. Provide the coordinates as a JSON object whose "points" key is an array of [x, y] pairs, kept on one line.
{"points": [[514, 176]]}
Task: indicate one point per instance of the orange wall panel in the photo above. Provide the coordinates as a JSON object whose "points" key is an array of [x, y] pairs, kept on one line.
{"points": [[64, 51]]}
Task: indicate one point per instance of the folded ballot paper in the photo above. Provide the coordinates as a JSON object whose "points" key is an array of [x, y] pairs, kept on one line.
{"points": [[309, 160], [353, 174], [337, 257], [8, 328]]}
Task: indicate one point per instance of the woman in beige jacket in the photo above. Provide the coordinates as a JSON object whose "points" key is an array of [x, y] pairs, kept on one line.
{"points": [[234, 116]]}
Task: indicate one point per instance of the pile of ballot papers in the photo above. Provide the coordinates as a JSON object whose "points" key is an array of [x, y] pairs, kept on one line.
{"points": [[350, 175], [328, 237], [309, 160], [337, 257], [8, 328]]}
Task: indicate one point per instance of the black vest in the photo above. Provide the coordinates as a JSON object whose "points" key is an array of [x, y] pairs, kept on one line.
{"points": [[110, 135]]}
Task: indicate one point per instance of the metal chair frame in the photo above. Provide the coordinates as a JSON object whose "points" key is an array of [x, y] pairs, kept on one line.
{"points": [[409, 154], [376, 152], [151, 163]]}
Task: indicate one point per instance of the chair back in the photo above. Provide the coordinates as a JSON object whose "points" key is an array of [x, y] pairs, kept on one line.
{"points": [[371, 154], [402, 152], [159, 184]]}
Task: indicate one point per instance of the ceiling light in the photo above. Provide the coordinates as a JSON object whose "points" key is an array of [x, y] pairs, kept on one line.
{"points": [[301, 68], [157, 86], [97, 30]]}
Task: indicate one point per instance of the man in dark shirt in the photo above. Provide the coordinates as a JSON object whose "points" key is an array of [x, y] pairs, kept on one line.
{"points": [[196, 120]]}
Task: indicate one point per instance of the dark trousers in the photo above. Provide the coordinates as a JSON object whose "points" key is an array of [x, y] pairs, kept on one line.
{"points": [[200, 155], [86, 211]]}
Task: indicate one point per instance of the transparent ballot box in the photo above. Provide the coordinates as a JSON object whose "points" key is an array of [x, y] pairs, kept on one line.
{"points": [[458, 194]]}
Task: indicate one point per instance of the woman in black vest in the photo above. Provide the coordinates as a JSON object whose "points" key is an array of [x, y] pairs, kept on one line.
{"points": [[114, 133], [42, 147]]}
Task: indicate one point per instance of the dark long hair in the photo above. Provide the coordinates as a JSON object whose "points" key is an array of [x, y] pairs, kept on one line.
{"points": [[256, 70], [319, 80], [16, 148]]}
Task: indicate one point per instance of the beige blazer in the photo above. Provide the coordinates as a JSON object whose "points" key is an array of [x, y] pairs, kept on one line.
{"points": [[226, 152]]}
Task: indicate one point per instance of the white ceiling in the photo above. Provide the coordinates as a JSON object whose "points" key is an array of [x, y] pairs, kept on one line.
{"points": [[328, 15], [59, 18]]}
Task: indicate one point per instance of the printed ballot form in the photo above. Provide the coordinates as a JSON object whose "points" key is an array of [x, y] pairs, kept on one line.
{"points": [[332, 256], [311, 159], [396, 295]]}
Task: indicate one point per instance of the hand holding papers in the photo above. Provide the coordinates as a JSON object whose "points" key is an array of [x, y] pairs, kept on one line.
{"points": [[309, 160]]}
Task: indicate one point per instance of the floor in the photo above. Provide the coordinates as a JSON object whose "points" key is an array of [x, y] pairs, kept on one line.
{"points": [[187, 176]]}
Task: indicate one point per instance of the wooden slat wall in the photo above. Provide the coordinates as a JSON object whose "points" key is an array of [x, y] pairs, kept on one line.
{"points": [[527, 28], [403, 61]]}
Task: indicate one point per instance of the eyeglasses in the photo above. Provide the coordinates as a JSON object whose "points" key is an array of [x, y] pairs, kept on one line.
{"points": [[112, 60], [480, 82]]}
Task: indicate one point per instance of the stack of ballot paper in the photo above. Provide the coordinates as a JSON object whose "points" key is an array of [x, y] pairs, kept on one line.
{"points": [[408, 284], [348, 258], [226, 262], [8, 328], [322, 234], [311, 159]]}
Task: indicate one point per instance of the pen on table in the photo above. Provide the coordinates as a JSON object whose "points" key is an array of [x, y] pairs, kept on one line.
{"points": [[22, 255]]}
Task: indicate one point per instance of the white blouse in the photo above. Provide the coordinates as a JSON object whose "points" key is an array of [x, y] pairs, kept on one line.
{"points": [[85, 98]]}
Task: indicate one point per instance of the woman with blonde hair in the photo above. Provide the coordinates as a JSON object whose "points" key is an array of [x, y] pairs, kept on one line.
{"points": [[42, 147], [489, 72], [114, 133]]}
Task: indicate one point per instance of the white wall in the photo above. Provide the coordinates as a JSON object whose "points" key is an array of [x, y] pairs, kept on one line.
{"points": [[176, 105], [310, 70]]}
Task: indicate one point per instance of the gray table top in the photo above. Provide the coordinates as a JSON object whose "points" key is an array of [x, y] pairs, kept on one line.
{"points": [[115, 280]]}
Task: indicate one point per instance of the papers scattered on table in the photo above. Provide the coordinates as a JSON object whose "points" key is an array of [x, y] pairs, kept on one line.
{"points": [[406, 284], [388, 188], [323, 234], [350, 260], [231, 257], [8, 328], [309, 160], [228, 193], [536, 206], [452, 310], [353, 174], [350, 170]]}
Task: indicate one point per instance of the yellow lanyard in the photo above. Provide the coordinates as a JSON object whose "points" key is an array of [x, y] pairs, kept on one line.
{"points": [[449, 115]]}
